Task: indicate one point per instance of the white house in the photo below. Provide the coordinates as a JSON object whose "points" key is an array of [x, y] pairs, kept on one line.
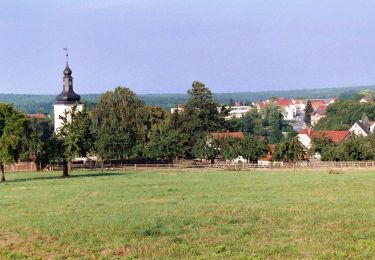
{"points": [[359, 129], [305, 136]]}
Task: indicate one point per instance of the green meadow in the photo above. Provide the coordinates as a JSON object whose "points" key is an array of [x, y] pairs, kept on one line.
{"points": [[188, 214]]}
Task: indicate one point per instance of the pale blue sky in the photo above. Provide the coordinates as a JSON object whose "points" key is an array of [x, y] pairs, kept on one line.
{"points": [[161, 46]]}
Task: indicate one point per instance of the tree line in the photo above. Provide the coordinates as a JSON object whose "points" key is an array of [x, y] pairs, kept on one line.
{"points": [[121, 126]]}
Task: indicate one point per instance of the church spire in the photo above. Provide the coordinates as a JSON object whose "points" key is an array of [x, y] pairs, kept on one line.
{"points": [[67, 96]]}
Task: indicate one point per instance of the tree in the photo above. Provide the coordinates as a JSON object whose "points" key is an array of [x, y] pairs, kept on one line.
{"points": [[230, 148], [164, 143], [253, 147], [323, 146], [39, 141], [75, 135], [123, 124], [308, 112], [207, 147], [113, 145], [357, 148], [290, 150], [12, 132], [199, 117]]}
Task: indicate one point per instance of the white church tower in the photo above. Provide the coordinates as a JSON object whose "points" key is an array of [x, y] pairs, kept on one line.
{"points": [[67, 98]]}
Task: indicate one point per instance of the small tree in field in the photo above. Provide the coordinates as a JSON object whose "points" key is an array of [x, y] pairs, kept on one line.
{"points": [[12, 131], [75, 135]]}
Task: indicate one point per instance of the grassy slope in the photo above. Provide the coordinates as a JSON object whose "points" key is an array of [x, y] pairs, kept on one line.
{"points": [[189, 214]]}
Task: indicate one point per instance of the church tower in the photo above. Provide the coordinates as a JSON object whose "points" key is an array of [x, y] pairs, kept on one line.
{"points": [[67, 98]]}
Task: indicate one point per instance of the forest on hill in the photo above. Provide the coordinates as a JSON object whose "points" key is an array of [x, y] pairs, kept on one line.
{"points": [[31, 103]]}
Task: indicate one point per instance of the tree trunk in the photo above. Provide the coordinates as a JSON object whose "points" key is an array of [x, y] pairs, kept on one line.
{"points": [[2, 176], [70, 167], [65, 169]]}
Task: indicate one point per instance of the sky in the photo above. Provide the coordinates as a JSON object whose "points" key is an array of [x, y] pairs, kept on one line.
{"points": [[162, 46]]}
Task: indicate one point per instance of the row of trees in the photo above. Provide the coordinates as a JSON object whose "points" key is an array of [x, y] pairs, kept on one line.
{"points": [[121, 126], [354, 148]]}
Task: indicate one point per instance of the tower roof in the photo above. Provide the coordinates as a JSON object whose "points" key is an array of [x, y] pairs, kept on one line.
{"points": [[67, 96], [67, 70]]}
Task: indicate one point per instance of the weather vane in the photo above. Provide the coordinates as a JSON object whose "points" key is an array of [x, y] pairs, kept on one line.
{"points": [[66, 53]]}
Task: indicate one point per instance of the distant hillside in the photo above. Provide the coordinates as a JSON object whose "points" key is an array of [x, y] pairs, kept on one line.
{"points": [[43, 103]]}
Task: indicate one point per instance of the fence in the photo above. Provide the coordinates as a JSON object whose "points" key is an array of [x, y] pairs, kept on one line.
{"points": [[29, 166], [20, 167], [228, 166]]}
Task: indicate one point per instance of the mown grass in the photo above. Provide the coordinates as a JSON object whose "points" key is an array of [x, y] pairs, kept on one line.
{"points": [[188, 215]]}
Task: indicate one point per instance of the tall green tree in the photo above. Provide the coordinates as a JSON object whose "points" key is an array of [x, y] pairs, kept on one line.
{"points": [[12, 132], [76, 136], [123, 122], [200, 116], [308, 112], [39, 142]]}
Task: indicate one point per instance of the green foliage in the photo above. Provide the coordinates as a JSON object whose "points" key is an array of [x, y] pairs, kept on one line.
{"points": [[355, 148], [164, 143], [308, 112], [230, 148], [253, 147], [12, 132], [200, 116], [40, 144], [274, 120], [112, 144], [342, 114], [290, 150], [207, 148], [75, 134], [123, 124]]}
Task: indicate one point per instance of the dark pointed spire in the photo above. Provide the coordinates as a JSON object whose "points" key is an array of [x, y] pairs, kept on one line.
{"points": [[67, 96]]}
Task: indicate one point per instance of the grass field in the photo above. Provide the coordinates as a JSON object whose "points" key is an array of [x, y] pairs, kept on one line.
{"points": [[188, 215]]}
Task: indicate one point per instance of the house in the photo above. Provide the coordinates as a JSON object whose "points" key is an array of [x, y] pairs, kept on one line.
{"points": [[329, 101], [305, 136], [318, 114], [289, 110], [366, 99], [179, 108], [299, 104], [360, 129], [372, 127], [316, 103], [237, 111]]}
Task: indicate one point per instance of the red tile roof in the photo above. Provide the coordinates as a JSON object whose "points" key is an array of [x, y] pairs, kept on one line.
{"points": [[39, 116], [317, 103], [334, 136], [284, 102], [268, 156], [227, 135], [320, 110]]}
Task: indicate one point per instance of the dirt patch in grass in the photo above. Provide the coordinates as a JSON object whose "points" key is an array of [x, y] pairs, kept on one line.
{"points": [[34, 246]]}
